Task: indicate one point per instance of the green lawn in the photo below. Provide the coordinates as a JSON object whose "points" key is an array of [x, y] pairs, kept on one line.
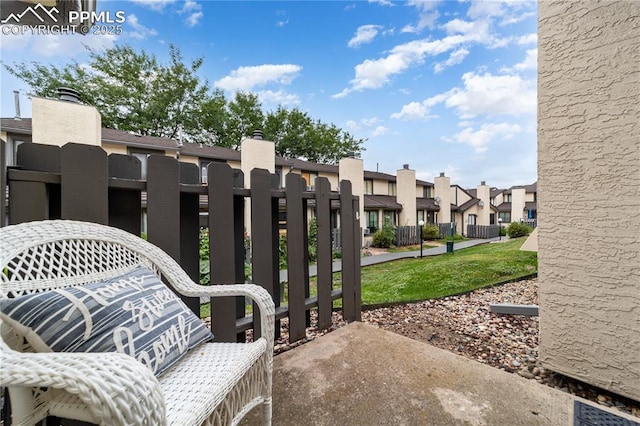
{"points": [[445, 275], [438, 276]]}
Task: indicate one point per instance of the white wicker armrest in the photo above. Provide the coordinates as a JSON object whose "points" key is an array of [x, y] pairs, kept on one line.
{"points": [[256, 293], [117, 389]]}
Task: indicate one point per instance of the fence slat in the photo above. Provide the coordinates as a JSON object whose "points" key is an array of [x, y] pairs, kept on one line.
{"points": [[222, 261], [84, 183], [325, 277], [261, 235], [357, 237], [163, 204], [296, 259], [347, 224], [190, 230], [125, 208]]}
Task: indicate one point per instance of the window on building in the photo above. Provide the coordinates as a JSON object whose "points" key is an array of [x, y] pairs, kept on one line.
{"points": [[371, 219], [505, 216], [310, 178], [203, 169], [279, 174], [420, 215], [507, 198], [368, 186], [492, 218], [427, 192], [392, 188], [143, 155], [391, 217], [472, 219], [11, 148]]}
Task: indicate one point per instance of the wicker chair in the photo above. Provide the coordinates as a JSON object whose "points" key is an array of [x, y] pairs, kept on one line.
{"points": [[215, 383]]}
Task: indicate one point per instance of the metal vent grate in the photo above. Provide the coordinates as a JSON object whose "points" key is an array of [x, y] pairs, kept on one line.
{"points": [[588, 415]]}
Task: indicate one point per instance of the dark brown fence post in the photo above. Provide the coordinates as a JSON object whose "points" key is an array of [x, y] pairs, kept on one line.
{"points": [[261, 237], [3, 182], [223, 225], [357, 243], [35, 200], [125, 205], [84, 183], [190, 229], [325, 275], [347, 223], [297, 260]]}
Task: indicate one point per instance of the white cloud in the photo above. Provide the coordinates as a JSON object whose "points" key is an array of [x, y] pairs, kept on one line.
{"points": [[382, 2], [450, 171], [364, 34], [427, 16], [370, 121], [351, 125], [530, 61], [455, 58], [193, 19], [379, 131], [491, 95], [279, 98], [246, 78], [157, 5], [140, 32], [373, 74], [528, 39], [480, 139], [420, 110]]}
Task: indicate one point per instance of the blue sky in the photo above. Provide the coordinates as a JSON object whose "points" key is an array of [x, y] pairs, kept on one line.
{"points": [[445, 86]]}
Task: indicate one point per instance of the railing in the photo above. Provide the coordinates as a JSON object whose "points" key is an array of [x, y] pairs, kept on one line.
{"points": [[483, 231], [81, 182], [530, 222]]}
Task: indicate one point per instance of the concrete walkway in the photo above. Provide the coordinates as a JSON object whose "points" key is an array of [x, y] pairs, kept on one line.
{"points": [[388, 257], [363, 375]]}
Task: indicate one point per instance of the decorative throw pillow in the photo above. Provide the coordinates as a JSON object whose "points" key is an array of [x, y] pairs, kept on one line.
{"points": [[135, 314]]}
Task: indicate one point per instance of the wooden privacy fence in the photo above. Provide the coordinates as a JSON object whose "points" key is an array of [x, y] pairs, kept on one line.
{"points": [[483, 231], [407, 235], [81, 182]]}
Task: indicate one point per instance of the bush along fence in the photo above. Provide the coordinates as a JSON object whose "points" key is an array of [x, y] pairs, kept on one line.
{"points": [[81, 182]]}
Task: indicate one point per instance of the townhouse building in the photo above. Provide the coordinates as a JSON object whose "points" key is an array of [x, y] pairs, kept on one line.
{"points": [[400, 199]]}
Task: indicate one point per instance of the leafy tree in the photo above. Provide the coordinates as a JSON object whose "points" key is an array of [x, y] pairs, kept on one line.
{"points": [[135, 92]]}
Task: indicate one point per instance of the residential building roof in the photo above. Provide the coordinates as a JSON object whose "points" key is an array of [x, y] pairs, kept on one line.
{"points": [[141, 141], [385, 202], [379, 175], [426, 204], [212, 152], [22, 125], [466, 206], [473, 192], [423, 182], [530, 205], [504, 207]]}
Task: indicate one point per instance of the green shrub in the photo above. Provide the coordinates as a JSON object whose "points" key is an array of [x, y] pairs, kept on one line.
{"points": [[385, 237], [517, 229], [502, 231], [430, 232]]}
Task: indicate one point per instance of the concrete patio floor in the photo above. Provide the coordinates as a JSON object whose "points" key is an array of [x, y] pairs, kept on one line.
{"points": [[363, 375]]}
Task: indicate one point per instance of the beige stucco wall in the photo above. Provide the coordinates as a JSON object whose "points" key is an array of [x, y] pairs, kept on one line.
{"points": [[112, 148], [255, 154], [483, 193], [589, 191], [380, 187], [442, 189], [190, 159], [333, 179], [517, 204], [352, 169], [56, 122], [529, 197], [406, 196]]}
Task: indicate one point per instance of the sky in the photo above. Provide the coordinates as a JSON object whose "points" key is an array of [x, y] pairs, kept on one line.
{"points": [[444, 86]]}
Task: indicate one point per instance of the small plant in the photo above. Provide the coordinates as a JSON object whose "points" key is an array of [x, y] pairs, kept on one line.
{"points": [[385, 237], [430, 232], [517, 229], [205, 273]]}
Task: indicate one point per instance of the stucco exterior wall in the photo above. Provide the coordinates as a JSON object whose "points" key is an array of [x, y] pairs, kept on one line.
{"points": [[190, 159], [483, 193], [255, 154], [56, 122], [589, 191], [442, 189], [333, 179], [112, 148], [352, 169], [517, 204], [406, 196], [380, 187]]}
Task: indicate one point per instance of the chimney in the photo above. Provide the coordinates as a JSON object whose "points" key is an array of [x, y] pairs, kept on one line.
{"points": [[483, 182], [441, 174], [405, 166], [257, 134], [16, 97], [69, 95]]}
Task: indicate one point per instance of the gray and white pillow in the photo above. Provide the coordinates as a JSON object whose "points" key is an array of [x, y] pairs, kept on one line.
{"points": [[135, 314]]}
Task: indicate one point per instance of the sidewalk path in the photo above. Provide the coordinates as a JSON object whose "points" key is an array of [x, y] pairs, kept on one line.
{"points": [[388, 257]]}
